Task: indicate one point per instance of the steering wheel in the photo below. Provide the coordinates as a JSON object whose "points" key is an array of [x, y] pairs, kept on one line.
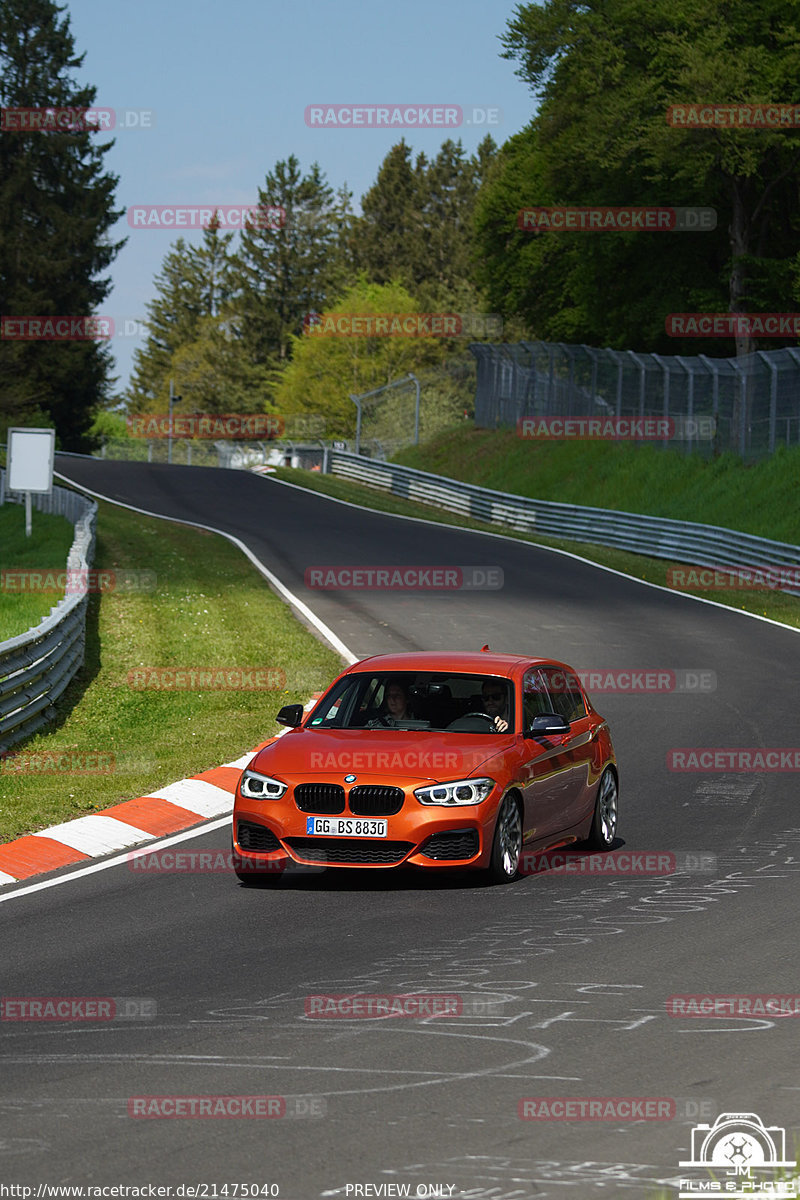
{"points": [[381, 719], [464, 716]]}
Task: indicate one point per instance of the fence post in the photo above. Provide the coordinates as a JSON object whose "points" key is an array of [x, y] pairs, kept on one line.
{"points": [[689, 397], [665, 369], [795, 356], [773, 397]]}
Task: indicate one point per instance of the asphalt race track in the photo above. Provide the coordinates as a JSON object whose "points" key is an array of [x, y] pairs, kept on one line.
{"points": [[565, 978]]}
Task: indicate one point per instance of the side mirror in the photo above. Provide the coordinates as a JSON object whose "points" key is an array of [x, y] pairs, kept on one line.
{"points": [[291, 715], [548, 724]]}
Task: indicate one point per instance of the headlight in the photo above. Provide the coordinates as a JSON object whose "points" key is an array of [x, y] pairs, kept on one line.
{"points": [[261, 787], [460, 791]]}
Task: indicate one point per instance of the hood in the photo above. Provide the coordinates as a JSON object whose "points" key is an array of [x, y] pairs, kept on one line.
{"points": [[377, 753]]}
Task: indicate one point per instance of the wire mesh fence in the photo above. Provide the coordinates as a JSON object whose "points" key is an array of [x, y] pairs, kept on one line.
{"points": [[748, 406], [389, 421]]}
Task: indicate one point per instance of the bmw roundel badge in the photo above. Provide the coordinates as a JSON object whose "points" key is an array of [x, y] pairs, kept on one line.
{"points": [[350, 778]]}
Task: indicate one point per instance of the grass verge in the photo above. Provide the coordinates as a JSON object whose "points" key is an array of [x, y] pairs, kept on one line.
{"points": [[776, 605], [762, 499], [210, 609], [45, 550]]}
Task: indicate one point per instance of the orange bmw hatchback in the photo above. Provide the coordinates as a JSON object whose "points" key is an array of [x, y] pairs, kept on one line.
{"points": [[430, 759]]}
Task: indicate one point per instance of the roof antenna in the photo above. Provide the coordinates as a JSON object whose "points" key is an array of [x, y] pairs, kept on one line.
{"points": [[484, 649]]}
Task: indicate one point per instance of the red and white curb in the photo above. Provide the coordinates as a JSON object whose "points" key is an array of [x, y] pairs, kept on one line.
{"points": [[177, 806], [172, 808], [168, 810]]}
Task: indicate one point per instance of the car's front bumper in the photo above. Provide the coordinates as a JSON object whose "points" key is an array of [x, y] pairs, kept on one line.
{"points": [[453, 836]]}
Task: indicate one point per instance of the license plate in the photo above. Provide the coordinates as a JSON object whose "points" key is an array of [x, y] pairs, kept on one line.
{"points": [[347, 827]]}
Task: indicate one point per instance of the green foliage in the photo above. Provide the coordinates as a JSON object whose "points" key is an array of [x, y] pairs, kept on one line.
{"points": [[194, 285], [211, 608], [56, 203], [324, 370], [606, 72], [284, 273], [45, 550], [762, 499], [416, 223], [108, 425]]}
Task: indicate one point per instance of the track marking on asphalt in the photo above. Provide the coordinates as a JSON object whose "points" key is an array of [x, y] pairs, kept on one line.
{"points": [[535, 546], [119, 860], [727, 790], [508, 1171]]}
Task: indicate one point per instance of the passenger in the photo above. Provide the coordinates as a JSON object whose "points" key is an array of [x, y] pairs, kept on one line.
{"points": [[495, 703]]}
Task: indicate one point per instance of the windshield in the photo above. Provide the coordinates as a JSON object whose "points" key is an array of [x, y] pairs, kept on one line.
{"points": [[418, 700]]}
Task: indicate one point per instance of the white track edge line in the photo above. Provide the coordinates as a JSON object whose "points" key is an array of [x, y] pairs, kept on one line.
{"points": [[276, 583], [535, 545], [185, 835]]}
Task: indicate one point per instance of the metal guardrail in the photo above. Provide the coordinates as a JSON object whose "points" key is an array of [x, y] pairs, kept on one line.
{"points": [[680, 541], [37, 666]]}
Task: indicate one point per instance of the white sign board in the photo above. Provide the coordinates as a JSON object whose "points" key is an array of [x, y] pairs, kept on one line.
{"points": [[30, 459]]}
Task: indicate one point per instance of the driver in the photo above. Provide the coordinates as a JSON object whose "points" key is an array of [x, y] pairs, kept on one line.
{"points": [[495, 703], [396, 700]]}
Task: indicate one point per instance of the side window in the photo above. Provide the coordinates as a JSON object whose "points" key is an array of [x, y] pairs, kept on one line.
{"points": [[565, 694], [535, 700]]}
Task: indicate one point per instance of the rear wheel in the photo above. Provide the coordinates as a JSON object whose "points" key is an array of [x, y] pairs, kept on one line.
{"points": [[507, 845], [604, 823]]}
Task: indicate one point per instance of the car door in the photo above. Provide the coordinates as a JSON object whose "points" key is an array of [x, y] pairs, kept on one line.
{"points": [[547, 772], [567, 699]]}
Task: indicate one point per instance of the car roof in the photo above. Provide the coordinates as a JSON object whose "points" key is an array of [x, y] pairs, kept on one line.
{"points": [[472, 662]]}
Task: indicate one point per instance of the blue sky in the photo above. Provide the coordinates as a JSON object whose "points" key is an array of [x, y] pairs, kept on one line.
{"points": [[228, 86]]}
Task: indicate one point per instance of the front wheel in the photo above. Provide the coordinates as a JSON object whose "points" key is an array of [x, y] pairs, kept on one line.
{"points": [[507, 845], [604, 822], [243, 870]]}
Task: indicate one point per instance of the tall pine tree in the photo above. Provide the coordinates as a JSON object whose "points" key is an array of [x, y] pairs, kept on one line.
{"points": [[56, 207], [194, 286], [285, 273]]}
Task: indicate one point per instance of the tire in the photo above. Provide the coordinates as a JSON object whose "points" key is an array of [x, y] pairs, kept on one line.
{"points": [[507, 844], [253, 878], [604, 823]]}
